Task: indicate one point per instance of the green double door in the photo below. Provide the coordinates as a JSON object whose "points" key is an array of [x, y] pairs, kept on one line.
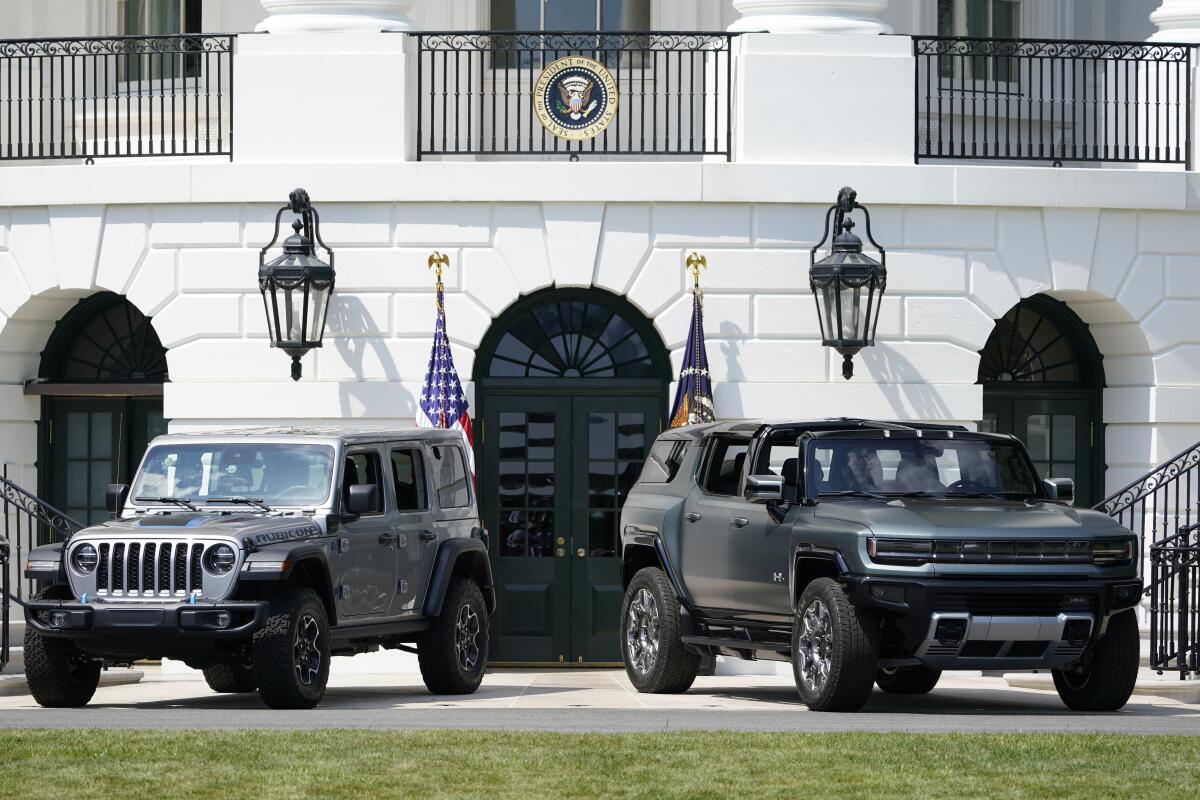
{"points": [[91, 442], [555, 472], [1060, 433]]}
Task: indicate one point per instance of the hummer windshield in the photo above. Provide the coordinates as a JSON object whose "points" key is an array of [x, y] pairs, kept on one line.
{"points": [[906, 467], [235, 472]]}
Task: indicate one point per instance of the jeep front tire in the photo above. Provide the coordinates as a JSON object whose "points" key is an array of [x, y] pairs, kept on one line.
{"points": [[230, 677], [291, 651], [453, 653], [1108, 675], [656, 660], [58, 673], [834, 649]]}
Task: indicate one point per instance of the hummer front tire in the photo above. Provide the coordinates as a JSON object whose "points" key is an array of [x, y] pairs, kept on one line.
{"points": [[58, 674], [918, 679], [291, 651], [656, 660], [453, 653], [1110, 674], [835, 649]]}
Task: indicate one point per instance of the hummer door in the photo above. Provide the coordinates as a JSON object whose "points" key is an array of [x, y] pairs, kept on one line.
{"points": [[416, 537], [713, 517], [366, 580], [761, 557]]}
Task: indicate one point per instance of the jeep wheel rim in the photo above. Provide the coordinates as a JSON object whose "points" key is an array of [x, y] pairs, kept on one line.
{"points": [[307, 650], [466, 638], [814, 652], [642, 632]]}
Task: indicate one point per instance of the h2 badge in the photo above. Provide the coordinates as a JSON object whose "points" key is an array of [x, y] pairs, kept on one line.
{"points": [[575, 98]]}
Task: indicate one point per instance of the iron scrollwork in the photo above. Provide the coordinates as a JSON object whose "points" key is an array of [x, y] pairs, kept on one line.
{"points": [[38, 510], [1148, 484]]}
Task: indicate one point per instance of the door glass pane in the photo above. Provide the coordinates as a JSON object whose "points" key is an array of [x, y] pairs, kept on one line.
{"points": [[511, 483], [602, 486], [1037, 436], [101, 439], [526, 485], [512, 435], [602, 534], [409, 475], [514, 534], [541, 436], [627, 475], [1043, 468], [541, 484], [1062, 470], [77, 483], [601, 435], [1064, 437], [631, 435], [989, 423], [570, 15], [77, 434]]}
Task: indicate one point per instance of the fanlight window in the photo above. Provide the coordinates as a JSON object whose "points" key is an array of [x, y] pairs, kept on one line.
{"points": [[107, 340], [571, 339], [1027, 346]]}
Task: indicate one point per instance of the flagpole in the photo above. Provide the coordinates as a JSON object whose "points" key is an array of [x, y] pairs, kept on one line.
{"points": [[696, 262]]}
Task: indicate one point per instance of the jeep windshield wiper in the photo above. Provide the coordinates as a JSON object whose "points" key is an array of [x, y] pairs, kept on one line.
{"points": [[976, 495], [854, 493], [245, 501], [914, 493], [175, 501]]}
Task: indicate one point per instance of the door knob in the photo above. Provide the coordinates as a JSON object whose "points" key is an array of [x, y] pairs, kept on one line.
{"points": [[581, 552], [740, 522], [560, 552], [692, 516], [387, 538]]}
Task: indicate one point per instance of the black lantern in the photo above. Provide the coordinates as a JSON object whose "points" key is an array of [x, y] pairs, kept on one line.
{"points": [[297, 285], [848, 284]]}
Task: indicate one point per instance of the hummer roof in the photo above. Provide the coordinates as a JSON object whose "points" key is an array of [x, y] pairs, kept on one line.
{"points": [[752, 427]]}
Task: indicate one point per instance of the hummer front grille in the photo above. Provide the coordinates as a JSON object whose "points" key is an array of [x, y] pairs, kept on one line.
{"points": [[149, 569]]}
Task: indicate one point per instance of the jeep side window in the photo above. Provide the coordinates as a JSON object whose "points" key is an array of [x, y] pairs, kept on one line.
{"points": [[408, 468], [723, 468], [663, 461], [362, 468], [450, 475]]}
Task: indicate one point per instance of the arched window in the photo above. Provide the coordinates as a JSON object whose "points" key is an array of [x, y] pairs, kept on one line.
{"points": [[1030, 344], [104, 339]]}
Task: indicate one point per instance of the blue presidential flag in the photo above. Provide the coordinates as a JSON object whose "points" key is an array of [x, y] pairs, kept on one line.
{"points": [[693, 396]]}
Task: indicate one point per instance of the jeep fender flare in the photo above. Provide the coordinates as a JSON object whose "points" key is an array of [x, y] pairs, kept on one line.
{"points": [[459, 557], [306, 562]]}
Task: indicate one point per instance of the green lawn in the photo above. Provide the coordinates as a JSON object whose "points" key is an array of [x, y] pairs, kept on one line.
{"points": [[365, 765]]}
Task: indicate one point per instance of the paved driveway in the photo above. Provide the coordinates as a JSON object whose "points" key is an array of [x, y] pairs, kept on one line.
{"points": [[597, 701]]}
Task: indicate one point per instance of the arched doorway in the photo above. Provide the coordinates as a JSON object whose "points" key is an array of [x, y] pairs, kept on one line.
{"points": [[100, 380], [571, 387], [1043, 381]]}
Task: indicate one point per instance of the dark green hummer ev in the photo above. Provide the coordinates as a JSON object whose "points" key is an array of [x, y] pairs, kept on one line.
{"points": [[871, 553]]}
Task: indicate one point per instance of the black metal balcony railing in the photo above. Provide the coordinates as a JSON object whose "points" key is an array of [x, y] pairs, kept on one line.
{"points": [[87, 98], [1175, 602], [1057, 101], [475, 93]]}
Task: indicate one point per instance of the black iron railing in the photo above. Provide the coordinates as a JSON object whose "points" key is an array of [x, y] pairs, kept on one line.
{"points": [[476, 93], [1054, 101], [29, 522], [1175, 602], [117, 96], [5, 607], [1161, 502]]}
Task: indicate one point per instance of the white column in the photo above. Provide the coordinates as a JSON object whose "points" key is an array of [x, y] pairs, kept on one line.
{"points": [[811, 16], [1177, 21], [308, 16]]}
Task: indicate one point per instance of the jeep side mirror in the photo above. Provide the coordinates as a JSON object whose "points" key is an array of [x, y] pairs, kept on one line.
{"points": [[114, 497], [363, 499], [764, 488], [1061, 490]]}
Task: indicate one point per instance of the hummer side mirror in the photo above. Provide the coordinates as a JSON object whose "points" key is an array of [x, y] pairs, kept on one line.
{"points": [[363, 499], [764, 488], [114, 497], [1061, 490]]}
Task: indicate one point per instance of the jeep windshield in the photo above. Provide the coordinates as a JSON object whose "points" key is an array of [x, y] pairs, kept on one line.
{"points": [[925, 467], [245, 473]]}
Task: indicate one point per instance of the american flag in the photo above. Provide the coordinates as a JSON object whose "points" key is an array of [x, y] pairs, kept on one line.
{"points": [[443, 404], [693, 396]]}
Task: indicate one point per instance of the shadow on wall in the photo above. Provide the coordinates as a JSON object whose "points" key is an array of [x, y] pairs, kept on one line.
{"points": [[902, 385], [381, 395], [731, 351]]}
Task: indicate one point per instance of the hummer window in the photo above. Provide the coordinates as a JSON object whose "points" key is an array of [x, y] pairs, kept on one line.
{"points": [[780, 456], [408, 470], [723, 468], [450, 474], [362, 468], [275, 474], [663, 462]]}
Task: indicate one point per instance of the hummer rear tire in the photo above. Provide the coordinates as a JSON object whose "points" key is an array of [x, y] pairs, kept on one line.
{"points": [[453, 653], [291, 651], [656, 660], [58, 674], [835, 649], [917, 679], [1107, 679]]}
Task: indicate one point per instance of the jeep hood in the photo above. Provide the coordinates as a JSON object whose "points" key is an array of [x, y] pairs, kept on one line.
{"points": [[969, 518], [261, 529]]}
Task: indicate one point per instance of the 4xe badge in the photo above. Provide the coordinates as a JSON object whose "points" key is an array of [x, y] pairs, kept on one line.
{"points": [[575, 98]]}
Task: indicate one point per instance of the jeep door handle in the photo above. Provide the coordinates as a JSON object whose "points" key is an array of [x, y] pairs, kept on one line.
{"points": [[739, 522], [428, 536], [387, 538], [692, 516]]}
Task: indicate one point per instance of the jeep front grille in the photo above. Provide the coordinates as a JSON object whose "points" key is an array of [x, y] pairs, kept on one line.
{"points": [[149, 569]]}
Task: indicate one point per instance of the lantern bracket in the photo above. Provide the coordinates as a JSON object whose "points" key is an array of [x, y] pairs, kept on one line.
{"points": [[310, 220]]}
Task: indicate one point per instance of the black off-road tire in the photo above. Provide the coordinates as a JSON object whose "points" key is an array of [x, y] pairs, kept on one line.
{"points": [[453, 653], [917, 679], [230, 678], [58, 674], [673, 667], [291, 651], [852, 649], [1109, 675]]}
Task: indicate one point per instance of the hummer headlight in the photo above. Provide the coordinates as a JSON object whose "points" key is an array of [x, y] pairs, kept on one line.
{"points": [[84, 559], [219, 559], [1109, 552]]}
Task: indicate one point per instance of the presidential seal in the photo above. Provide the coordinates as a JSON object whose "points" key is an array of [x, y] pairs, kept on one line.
{"points": [[575, 98]]}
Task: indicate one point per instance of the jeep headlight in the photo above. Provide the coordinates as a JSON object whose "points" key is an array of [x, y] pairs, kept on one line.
{"points": [[84, 559], [1112, 552], [219, 559]]}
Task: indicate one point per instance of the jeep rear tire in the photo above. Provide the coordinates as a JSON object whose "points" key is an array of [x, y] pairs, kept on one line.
{"points": [[58, 673], [453, 653], [1106, 679], [230, 677], [835, 650], [917, 679], [656, 660], [291, 651]]}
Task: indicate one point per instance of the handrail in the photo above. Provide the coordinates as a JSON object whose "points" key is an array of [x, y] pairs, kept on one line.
{"points": [[28, 522], [1170, 470]]}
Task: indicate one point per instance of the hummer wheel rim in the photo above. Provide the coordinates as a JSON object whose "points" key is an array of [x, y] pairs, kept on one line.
{"points": [[642, 631], [814, 651], [307, 650], [466, 638]]}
